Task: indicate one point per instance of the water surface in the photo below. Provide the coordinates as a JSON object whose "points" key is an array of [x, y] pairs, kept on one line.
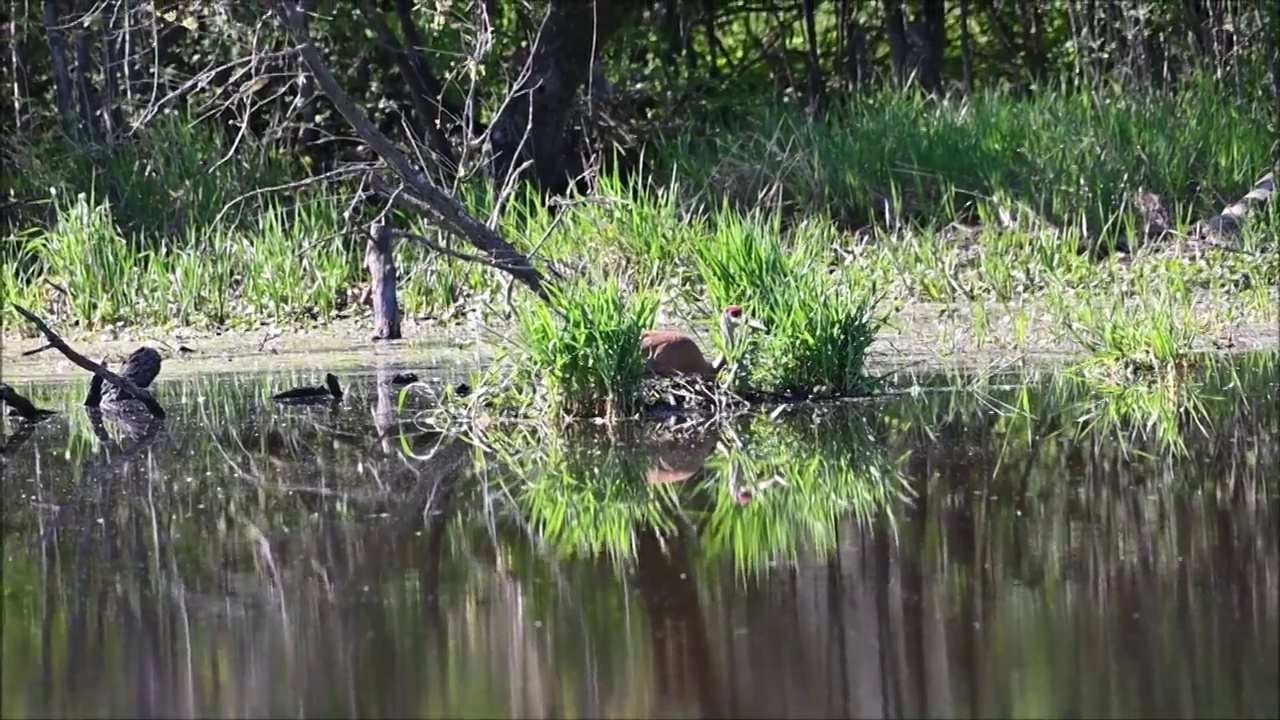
{"points": [[944, 554]]}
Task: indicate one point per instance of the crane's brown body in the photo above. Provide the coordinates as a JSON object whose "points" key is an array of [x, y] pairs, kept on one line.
{"points": [[667, 352]]}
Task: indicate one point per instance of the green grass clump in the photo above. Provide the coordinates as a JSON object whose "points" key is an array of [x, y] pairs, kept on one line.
{"points": [[1135, 337], [579, 354], [1142, 361], [819, 324]]}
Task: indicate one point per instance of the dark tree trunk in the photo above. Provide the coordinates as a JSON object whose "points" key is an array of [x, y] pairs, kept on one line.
{"points": [[61, 74], [813, 69], [90, 104], [966, 48], [112, 44], [934, 16], [532, 123], [895, 29]]}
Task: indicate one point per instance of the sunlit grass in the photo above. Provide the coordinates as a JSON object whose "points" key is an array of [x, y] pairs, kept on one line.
{"points": [[818, 326], [988, 198], [579, 354]]}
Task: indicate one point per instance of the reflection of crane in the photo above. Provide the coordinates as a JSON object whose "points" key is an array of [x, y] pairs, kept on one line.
{"points": [[668, 352], [744, 493], [675, 461]]}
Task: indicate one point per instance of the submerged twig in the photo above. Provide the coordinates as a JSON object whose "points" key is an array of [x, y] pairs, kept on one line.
{"points": [[124, 385]]}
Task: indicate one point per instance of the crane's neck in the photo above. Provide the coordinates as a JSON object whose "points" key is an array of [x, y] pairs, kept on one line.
{"points": [[727, 335]]}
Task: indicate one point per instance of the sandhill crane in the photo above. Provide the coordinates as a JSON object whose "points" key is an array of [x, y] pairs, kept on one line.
{"points": [[667, 352]]}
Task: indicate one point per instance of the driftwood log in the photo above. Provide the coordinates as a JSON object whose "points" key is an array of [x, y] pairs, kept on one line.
{"points": [[147, 364], [1231, 220]]}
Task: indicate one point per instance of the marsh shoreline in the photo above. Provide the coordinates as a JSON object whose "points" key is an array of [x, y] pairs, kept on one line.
{"points": [[922, 336]]}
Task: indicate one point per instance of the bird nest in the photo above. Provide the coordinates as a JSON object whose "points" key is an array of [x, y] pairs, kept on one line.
{"points": [[688, 395]]}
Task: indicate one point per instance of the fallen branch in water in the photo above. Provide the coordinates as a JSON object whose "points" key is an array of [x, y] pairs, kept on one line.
{"points": [[24, 407], [123, 385]]}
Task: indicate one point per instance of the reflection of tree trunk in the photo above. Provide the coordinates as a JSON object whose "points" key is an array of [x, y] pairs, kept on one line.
{"points": [[429, 577], [890, 682], [384, 414], [964, 539], [678, 631], [49, 571], [836, 616], [144, 620], [913, 610]]}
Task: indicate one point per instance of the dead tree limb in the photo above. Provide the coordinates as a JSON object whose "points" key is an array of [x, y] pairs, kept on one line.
{"points": [[125, 386], [1232, 218], [446, 211]]}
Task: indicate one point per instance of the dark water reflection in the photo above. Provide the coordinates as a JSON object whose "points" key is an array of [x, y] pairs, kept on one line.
{"points": [[933, 556]]}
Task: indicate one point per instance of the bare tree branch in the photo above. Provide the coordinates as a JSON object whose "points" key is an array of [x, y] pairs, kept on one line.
{"points": [[445, 210]]}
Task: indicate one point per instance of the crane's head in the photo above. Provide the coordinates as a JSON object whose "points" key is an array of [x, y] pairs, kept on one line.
{"points": [[734, 317]]}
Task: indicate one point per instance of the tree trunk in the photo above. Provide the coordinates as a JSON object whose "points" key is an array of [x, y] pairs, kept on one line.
{"points": [[531, 125], [61, 75], [813, 69]]}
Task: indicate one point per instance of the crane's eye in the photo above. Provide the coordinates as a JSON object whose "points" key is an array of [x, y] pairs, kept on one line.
{"points": [[735, 311]]}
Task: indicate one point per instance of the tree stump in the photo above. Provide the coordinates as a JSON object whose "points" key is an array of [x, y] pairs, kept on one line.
{"points": [[380, 260], [142, 366]]}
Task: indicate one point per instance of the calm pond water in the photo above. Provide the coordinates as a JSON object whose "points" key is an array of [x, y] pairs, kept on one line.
{"points": [[949, 553]]}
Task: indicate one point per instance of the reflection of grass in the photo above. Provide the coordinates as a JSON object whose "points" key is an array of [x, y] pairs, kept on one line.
{"points": [[586, 494], [1142, 356], [581, 493], [1140, 417], [829, 468]]}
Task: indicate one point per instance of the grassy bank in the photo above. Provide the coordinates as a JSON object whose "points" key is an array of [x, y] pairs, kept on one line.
{"points": [[820, 227]]}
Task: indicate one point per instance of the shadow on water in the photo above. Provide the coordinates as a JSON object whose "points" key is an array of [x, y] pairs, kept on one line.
{"points": [[949, 553]]}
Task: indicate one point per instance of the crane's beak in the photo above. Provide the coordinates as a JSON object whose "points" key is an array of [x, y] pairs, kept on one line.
{"points": [[755, 324]]}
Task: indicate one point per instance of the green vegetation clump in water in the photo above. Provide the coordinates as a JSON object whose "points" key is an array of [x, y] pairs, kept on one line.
{"points": [[579, 353]]}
